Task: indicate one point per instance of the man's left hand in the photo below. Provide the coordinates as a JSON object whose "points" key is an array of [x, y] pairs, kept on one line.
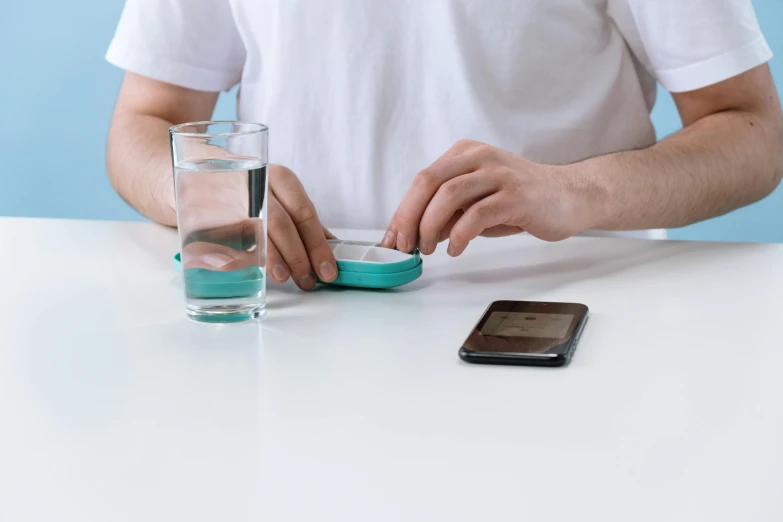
{"points": [[478, 190]]}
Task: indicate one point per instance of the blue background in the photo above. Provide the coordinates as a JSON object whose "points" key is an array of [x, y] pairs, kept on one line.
{"points": [[57, 94]]}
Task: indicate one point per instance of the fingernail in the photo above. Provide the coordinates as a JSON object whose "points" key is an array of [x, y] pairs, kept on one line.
{"points": [[402, 243], [388, 239], [216, 260], [280, 272], [307, 281], [451, 250], [424, 247], [328, 271]]}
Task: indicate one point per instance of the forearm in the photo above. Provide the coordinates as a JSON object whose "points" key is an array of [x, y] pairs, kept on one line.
{"points": [[139, 165], [722, 162]]}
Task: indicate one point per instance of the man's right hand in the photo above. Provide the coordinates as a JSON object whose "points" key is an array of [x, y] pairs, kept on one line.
{"points": [[220, 235], [297, 245]]}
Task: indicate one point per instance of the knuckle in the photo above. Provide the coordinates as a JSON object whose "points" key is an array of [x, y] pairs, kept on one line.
{"points": [[459, 236], [402, 223], [299, 264], [303, 214], [273, 256], [425, 179], [485, 211], [482, 147], [275, 210], [511, 195], [277, 220], [483, 151], [503, 171], [464, 144], [490, 214], [325, 255], [280, 171], [451, 188], [320, 250], [427, 174]]}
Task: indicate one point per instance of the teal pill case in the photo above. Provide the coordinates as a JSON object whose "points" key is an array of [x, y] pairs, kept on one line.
{"points": [[364, 264], [360, 264]]}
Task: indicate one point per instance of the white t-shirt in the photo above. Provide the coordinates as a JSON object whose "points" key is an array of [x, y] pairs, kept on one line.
{"points": [[360, 95]]}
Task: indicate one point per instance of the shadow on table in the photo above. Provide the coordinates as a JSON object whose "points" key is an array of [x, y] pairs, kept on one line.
{"points": [[619, 256]]}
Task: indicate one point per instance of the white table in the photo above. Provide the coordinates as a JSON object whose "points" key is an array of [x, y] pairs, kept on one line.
{"points": [[353, 405]]}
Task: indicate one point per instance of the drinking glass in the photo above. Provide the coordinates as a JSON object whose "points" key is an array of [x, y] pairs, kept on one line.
{"points": [[220, 184]]}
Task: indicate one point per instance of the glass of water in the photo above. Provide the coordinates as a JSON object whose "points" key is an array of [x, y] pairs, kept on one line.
{"points": [[221, 191]]}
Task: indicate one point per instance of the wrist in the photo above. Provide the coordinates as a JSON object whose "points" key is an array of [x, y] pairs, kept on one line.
{"points": [[590, 194]]}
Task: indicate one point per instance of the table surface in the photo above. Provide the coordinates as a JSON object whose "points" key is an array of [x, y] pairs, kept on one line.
{"points": [[353, 405]]}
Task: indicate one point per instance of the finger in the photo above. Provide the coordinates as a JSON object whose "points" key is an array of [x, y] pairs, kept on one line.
{"points": [[446, 230], [275, 264], [480, 216], [404, 226], [285, 236], [292, 196], [496, 231], [462, 146], [455, 194], [220, 258]]}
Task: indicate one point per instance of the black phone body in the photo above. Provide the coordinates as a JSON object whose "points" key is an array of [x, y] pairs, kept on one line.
{"points": [[526, 333]]}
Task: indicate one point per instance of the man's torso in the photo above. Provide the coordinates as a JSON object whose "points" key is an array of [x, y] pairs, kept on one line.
{"points": [[362, 94]]}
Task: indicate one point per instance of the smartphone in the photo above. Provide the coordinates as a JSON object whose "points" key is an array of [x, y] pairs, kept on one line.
{"points": [[526, 333]]}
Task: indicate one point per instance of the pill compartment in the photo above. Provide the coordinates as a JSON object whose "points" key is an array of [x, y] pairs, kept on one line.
{"points": [[350, 250], [366, 252], [368, 264], [378, 254]]}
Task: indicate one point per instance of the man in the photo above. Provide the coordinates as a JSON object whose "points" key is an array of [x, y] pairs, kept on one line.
{"points": [[450, 119]]}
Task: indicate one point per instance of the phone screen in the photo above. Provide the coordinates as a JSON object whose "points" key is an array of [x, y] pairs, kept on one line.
{"points": [[524, 327]]}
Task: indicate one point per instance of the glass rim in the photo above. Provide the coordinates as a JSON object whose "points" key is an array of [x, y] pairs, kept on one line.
{"points": [[255, 128]]}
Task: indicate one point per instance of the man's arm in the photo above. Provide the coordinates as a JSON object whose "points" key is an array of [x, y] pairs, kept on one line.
{"points": [[138, 156], [729, 154]]}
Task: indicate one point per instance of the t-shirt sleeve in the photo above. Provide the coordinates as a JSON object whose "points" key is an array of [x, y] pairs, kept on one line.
{"points": [[190, 43], [691, 44]]}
